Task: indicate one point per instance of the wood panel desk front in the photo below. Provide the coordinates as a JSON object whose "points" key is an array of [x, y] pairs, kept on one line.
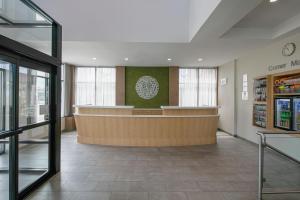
{"points": [[126, 126], [146, 130]]}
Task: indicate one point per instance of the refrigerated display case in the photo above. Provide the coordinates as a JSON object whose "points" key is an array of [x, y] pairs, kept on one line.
{"points": [[296, 114], [287, 113], [283, 113]]}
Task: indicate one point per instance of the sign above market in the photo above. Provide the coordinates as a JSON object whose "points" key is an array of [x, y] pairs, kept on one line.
{"points": [[291, 64]]}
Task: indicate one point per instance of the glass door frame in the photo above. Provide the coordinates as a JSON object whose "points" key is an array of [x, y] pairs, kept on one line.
{"points": [[18, 53], [10, 134], [2, 95], [15, 130], [25, 63]]}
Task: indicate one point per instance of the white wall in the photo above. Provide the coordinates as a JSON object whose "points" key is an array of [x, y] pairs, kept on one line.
{"points": [[226, 97], [255, 64]]}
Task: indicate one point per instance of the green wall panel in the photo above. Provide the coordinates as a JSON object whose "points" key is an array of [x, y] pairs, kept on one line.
{"points": [[161, 74]]}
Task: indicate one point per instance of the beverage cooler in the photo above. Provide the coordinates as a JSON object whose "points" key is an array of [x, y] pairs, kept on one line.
{"points": [[287, 113]]}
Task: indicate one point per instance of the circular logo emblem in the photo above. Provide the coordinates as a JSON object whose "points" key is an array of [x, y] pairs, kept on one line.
{"points": [[147, 87]]}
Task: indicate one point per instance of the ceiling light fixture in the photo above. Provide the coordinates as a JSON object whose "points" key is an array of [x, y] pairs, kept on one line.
{"points": [[126, 59], [169, 59], [273, 1], [94, 58], [200, 59]]}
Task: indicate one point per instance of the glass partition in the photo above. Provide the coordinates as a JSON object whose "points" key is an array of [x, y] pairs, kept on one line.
{"points": [[6, 102], [5, 124], [284, 176], [33, 155], [30, 57], [23, 24], [279, 175], [4, 167], [288, 144]]}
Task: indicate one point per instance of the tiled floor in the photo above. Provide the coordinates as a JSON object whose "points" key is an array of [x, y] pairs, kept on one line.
{"points": [[226, 171]]}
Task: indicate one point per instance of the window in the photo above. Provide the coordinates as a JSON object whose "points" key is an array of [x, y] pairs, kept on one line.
{"points": [[95, 86], [85, 86], [197, 87], [62, 90]]}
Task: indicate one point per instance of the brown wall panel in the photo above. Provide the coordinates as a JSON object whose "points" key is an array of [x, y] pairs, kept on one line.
{"points": [[120, 85], [174, 86]]}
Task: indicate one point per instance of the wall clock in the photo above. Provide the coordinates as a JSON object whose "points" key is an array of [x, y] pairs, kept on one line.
{"points": [[147, 87], [289, 49]]}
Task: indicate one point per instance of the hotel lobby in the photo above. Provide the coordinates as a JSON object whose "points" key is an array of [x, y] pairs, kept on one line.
{"points": [[150, 100]]}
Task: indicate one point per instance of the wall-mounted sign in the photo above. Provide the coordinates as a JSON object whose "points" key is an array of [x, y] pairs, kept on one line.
{"points": [[244, 96], [245, 78], [245, 87], [291, 64], [287, 50], [223, 81]]}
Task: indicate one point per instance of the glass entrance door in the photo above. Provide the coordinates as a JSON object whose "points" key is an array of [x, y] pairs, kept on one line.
{"points": [[26, 126], [5, 94], [6, 124], [34, 121]]}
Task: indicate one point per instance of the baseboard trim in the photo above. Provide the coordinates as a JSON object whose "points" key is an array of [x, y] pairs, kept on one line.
{"points": [[246, 140], [219, 129]]}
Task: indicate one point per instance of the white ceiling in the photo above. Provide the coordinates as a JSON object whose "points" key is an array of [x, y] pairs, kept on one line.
{"points": [[121, 20], [150, 31], [268, 15]]}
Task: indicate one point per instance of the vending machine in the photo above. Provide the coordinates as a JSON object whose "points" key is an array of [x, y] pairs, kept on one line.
{"points": [[287, 113], [283, 113], [296, 114]]}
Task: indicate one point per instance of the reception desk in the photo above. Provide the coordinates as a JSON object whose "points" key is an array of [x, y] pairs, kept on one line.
{"points": [[126, 126], [175, 110]]}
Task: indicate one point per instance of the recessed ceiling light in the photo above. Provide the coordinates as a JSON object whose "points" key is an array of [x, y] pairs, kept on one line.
{"points": [[94, 58], [200, 59], [126, 59], [272, 1], [169, 59]]}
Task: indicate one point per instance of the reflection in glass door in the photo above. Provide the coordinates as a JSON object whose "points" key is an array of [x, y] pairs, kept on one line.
{"points": [[5, 95], [33, 96], [25, 127], [4, 170], [5, 125], [34, 121]]}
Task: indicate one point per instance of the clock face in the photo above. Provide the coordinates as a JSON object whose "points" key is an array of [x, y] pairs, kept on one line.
{"points": [[289, 49]]}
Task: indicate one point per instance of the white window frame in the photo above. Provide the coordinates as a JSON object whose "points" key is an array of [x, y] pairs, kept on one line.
{"points": [[198, 86], [95, 85]]}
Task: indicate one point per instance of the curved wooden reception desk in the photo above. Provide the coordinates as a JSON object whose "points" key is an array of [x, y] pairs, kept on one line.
{"points": [[146, 130]]}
